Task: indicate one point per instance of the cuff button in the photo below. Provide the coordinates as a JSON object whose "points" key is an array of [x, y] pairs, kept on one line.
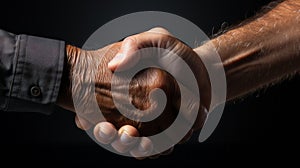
{"points": [[35, 91]]}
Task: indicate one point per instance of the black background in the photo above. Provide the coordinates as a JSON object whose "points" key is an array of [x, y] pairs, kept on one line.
{"points": [[258, 129]]}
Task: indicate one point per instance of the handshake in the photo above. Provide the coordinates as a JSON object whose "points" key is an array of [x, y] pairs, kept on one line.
{"points": [[149, 92], [119, 87], [153, 86], [149, 84]]}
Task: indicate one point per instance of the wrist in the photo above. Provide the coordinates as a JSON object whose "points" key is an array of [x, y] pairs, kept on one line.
{"points": [[64, 99], [214, 66]]}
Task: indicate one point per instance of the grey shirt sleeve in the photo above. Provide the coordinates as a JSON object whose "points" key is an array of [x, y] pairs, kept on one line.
{"points": [[30, 72]]}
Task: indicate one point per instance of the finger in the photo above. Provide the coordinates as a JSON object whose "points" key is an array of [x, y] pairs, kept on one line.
{"points": [[126, 55], [82, 123], [190, 106], [143, 149], [168, 151], [160, 30], [126, 139], [131, 44], [187, 137], [105, 132], [155, 156], [202, 115]]}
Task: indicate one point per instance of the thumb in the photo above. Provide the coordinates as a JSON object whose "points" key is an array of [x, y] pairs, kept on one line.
{"points": [[130, 45], [126, 55]]}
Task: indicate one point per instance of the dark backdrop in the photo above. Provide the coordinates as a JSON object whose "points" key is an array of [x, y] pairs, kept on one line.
{"points": [[258, 129]]}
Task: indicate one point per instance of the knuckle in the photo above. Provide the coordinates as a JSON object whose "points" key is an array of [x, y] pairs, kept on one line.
{"points": [[160, 30], [130, 40]]}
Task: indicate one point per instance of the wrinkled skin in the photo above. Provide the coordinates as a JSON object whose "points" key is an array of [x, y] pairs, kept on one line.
{"points": [[160, 38], [89, 68], [91, 78], [140, 87]]}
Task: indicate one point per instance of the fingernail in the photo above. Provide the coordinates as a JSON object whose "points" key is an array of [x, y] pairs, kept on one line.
{"points": [[116, 59], [105, 132], [126, 139]]}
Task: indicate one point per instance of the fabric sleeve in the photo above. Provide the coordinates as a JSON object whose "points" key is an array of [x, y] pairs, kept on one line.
{"points": [[30, 72]]}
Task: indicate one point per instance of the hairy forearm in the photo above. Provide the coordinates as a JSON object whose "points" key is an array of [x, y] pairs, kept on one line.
{"points": [[261, 51]]}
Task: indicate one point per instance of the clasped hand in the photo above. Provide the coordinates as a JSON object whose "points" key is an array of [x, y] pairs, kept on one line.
{"points": [[95, 69]]}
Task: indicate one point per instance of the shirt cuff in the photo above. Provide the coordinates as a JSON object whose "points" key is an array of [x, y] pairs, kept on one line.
{"points": [[37, 75]]}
